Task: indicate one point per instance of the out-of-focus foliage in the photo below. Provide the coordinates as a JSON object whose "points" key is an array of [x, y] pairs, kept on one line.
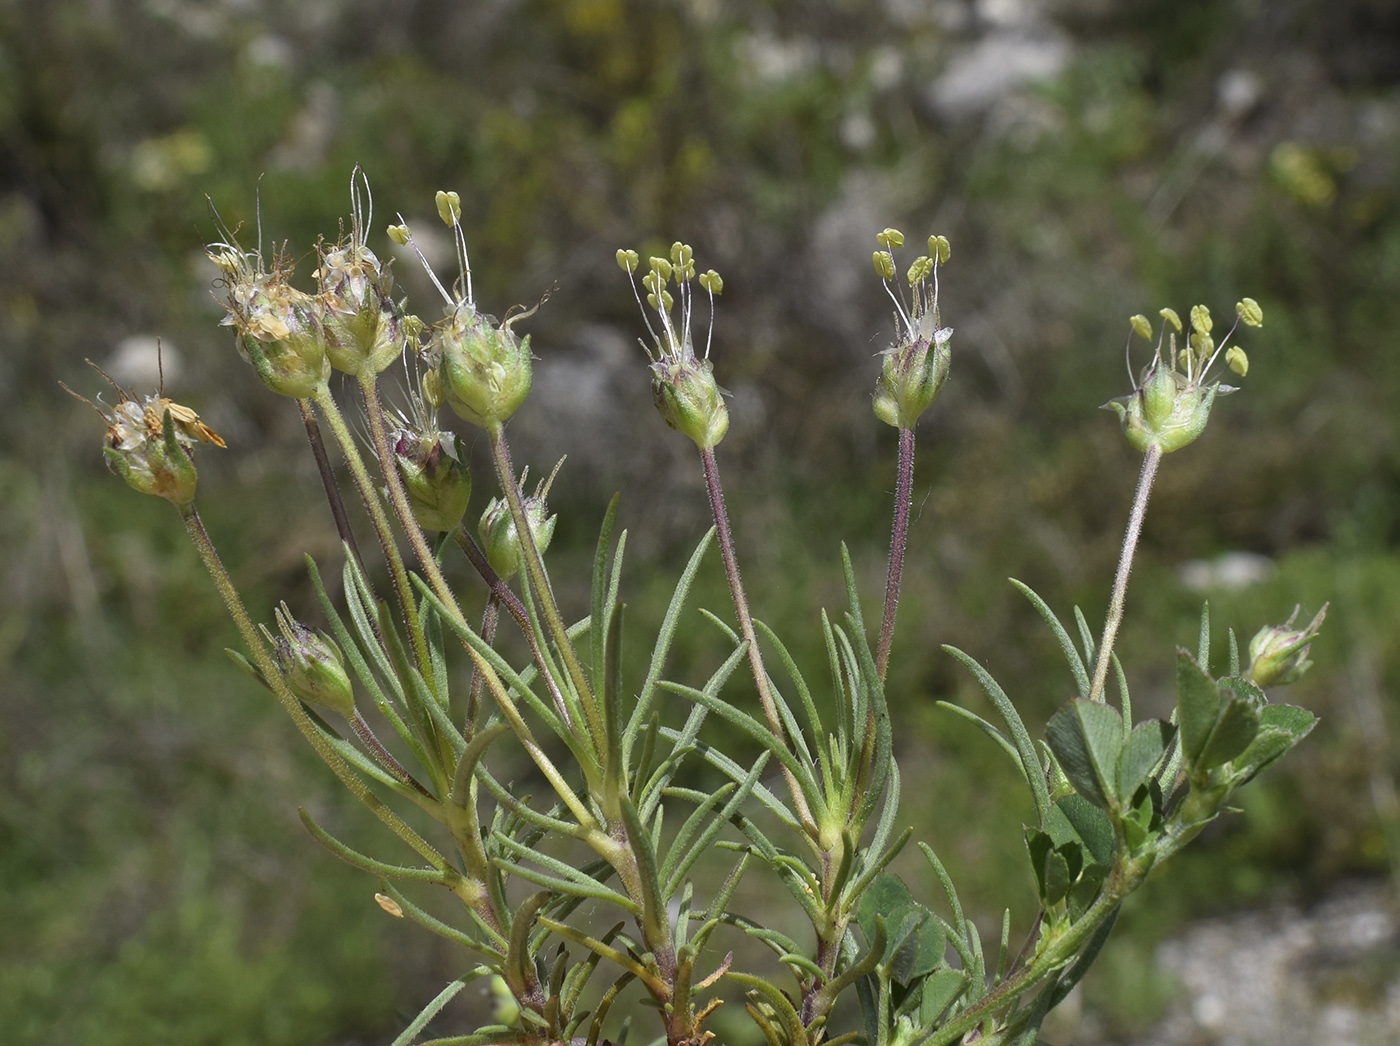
{"points": [[1091, 161]]}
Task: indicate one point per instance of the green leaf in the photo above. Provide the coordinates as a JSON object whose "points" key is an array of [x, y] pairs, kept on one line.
{"points": [[1087, 737], [1198, 705], [1091, 825], [940, 989], [886, 894], [599, 593], [431, 1010], [1076, 663], [1146, 745], [1281, 727], [1236, 725]]}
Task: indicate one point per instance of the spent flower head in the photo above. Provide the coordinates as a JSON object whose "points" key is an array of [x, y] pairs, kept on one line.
{"points": [[148, 442], [1171, 401], [365, 328], [682, 384], [278, 327], [916, 365]]}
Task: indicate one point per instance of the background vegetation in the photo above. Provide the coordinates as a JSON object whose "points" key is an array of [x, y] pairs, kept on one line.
{"points": [[1088, 160]]}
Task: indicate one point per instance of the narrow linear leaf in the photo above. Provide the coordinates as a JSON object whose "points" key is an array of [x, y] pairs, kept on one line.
{"points": [[1072, 658], [1025, 747]]}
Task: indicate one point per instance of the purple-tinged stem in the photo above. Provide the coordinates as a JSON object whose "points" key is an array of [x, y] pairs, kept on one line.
{"points": [[746, 629], [899, 535], [323, 465]]}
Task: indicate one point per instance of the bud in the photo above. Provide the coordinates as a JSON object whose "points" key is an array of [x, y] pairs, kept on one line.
{"points": [[689, 399], [501, 540], [278, 327], [1278, 654], [438, 484], [486, 371], [311, 665]]}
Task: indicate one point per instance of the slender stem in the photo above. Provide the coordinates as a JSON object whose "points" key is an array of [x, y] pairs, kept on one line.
{"points": [[1057, 954], [501, 593], [1150, 461], [365, 484], [293, 706], [398, 497], [746, 629], [323, 465], [489, 616], [539, 581], [899, 534]]}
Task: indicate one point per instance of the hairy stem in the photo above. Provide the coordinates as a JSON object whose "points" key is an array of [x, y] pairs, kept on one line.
{"points": [[398, 497], [501, 593], [899, 534], [323, 465], [364, 483], [1150, 461], [741, 609], [539, 581], [475, 893]]}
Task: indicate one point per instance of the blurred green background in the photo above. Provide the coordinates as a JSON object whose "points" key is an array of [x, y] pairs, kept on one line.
{"points": [[1088, 159]]}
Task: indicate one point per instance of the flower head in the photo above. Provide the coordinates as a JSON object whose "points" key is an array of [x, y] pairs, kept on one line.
{"points": [[1170, 403], [148, 443], [682, 384], [365, 328], [478, 366], [278, 327], [916, 365]]}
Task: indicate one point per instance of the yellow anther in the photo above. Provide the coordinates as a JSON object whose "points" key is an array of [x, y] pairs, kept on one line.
{"points": [[1238, 361], [627, 261], [940, 248], [1200, 318], [884, 264], [1141, 326], [1171, 317], [890, 238], [398, 233], [449, 207], [1251, 315], [711, 282]]}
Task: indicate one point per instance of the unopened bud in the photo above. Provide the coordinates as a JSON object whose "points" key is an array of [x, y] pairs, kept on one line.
{"points": [[1278, 654], [500, 538], [312, 665]]}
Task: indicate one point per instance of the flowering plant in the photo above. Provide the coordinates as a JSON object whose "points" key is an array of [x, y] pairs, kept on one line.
{"points": [[621, 832]]}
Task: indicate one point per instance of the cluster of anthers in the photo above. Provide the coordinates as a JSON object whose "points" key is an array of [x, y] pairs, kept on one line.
{"points": [[916, 365], [683, 384]]}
